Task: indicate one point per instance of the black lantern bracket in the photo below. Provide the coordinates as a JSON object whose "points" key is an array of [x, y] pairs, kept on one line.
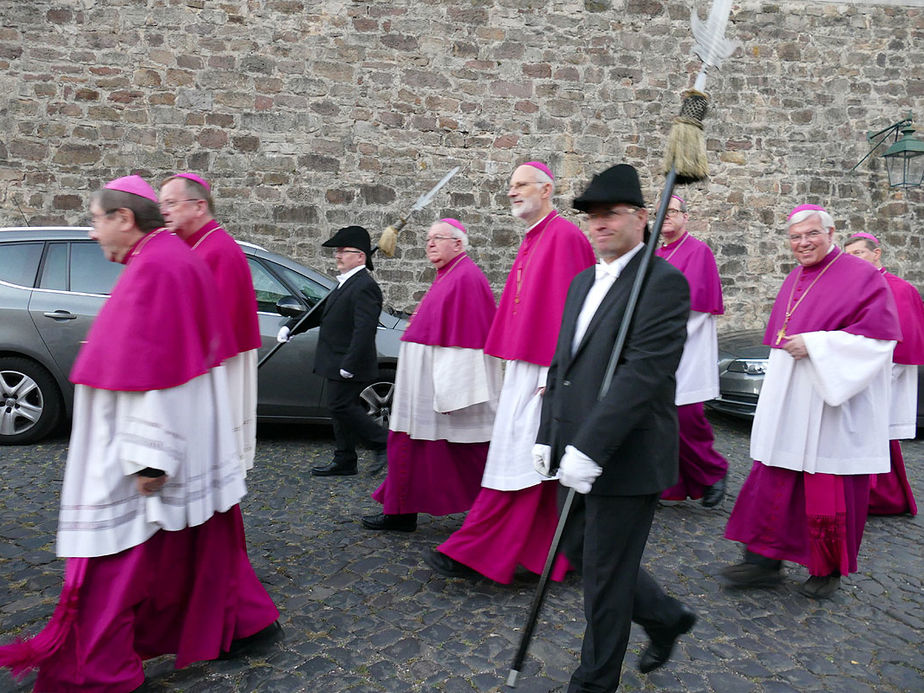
{"points": [[904, 157]]}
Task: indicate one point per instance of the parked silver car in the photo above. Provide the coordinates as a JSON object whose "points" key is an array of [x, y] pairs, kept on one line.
{"points": [[53, 281], [742, 364]]}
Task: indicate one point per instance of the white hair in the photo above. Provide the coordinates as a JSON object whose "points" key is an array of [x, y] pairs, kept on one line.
{"points": [[541, 176], [456, 233], [799, 217]]}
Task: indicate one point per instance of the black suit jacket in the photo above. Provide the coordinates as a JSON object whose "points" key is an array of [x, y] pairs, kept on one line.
{"points": [[349, 321], [632, 432]]}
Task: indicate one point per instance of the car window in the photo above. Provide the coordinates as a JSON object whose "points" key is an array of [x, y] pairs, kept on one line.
{"points": [[54, 271], [310, 290], [267, 287], [91, 272], [19, 262]]}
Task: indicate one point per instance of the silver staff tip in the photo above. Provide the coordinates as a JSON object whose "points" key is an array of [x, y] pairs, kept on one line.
{"points": [[512, 678]]}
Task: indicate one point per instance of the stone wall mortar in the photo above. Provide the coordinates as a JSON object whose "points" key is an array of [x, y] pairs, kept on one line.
{"points": [[307, 116]]}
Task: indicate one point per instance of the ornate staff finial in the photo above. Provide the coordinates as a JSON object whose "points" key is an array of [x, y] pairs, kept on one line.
{"points": [[686, 147]]}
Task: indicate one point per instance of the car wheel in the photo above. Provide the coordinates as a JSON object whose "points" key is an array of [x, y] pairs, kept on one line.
{"points": [[377, 397], [30, 405]]}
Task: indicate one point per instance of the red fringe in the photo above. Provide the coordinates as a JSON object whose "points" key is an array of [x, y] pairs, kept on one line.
{"points": [[826, 511], [828, 545], [24, 655]]}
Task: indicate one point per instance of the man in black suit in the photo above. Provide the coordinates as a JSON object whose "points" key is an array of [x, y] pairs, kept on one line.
{"points": [[346, 355], [618, 453]]}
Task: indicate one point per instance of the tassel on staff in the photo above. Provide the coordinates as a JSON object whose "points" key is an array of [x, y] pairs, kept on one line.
{"points": [[684, 162], [686, 144]]}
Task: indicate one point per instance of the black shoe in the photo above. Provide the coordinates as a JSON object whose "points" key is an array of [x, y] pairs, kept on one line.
{"points": [[449, 567], [714, 494], [381, 461], [334, 469], [662, 641], [398, 523], [241, 646], [821, 587], [749, 574]]}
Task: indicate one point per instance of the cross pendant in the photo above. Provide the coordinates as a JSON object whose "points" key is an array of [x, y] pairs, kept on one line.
{"points": [[780, 334]]}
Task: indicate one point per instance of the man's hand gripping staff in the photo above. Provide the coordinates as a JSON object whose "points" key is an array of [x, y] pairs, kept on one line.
{"points": [[387, 243], [684, 162]]}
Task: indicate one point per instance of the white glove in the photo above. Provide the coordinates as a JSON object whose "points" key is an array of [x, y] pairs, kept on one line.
{"points": [[542, 459], [345, 374], [283, 335], [577, 470]]}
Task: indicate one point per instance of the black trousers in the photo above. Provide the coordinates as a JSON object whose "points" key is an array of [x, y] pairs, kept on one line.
{"points": [[350, 421], [606, 537]]}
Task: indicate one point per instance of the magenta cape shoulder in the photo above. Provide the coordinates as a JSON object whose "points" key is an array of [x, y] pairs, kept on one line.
{"points": [[233, 283], [910, 350], [529, 314], [695, 259], [158, 328], [457, 310], [850, 296]]}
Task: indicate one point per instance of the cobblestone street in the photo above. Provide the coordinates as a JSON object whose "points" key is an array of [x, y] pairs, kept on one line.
{"points": [[363, 612]]}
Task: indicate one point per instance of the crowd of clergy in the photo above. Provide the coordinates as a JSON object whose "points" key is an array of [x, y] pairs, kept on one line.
{"points": [[150, 524]]}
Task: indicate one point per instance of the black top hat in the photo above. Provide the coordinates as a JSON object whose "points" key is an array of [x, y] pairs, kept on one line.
{"points": [[617, 184], [352, 237]]}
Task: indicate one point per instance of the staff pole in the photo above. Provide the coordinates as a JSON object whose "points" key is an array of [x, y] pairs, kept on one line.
{"points": [[684, 162]]}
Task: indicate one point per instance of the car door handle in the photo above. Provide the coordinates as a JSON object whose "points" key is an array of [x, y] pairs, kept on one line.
{"points": [[60, 315]]}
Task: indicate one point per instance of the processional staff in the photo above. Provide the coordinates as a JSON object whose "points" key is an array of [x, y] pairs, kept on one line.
{"points": [[684, 162], [386, 244]]}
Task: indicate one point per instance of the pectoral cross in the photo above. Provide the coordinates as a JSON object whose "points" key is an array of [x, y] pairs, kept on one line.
{"points": [[781, 334]]}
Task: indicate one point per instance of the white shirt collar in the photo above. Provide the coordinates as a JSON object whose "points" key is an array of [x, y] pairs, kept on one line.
{"points": [[341, 278], [616, 266]]}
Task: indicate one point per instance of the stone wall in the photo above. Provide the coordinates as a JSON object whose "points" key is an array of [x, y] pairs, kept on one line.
{"points": [[307, 116]]}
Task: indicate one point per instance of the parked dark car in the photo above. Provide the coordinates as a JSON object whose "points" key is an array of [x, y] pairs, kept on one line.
{"points": [[53, 281], [742, 365]]}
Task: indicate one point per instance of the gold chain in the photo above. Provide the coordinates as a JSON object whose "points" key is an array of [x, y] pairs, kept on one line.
{"points": [[781, 333]]}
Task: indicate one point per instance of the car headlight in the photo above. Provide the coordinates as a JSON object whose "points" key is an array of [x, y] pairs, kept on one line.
{"points": [[749, 366]]}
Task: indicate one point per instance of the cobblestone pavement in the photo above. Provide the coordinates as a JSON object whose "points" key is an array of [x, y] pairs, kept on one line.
{"points": [[363, 612]]}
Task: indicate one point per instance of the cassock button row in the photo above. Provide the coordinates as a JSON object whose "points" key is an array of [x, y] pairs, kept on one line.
{"points": [[566, 383]]}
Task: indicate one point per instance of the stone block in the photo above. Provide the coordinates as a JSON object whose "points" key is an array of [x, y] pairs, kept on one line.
{"points": [[246, 143], [539, 70], [377, 194], [147, 78], [258, 64], [304, 214], [194, 99], [212, 138], [339, 197], [30, 151], [314, 162], [68, 202], [76, 154]]}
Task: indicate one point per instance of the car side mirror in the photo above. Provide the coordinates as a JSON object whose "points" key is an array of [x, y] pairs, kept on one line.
{"points": [[290, 307]]}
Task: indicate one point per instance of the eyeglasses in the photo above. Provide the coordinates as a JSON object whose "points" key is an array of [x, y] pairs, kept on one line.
{"points": [[94, 218], [346, 251], [170, 204], [434, 239], [810, 235], [519, 186], [611, 213], [674, 212]]}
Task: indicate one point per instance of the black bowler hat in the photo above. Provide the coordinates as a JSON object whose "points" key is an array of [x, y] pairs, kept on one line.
{"points": [[617, 184], [352, 237]]}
